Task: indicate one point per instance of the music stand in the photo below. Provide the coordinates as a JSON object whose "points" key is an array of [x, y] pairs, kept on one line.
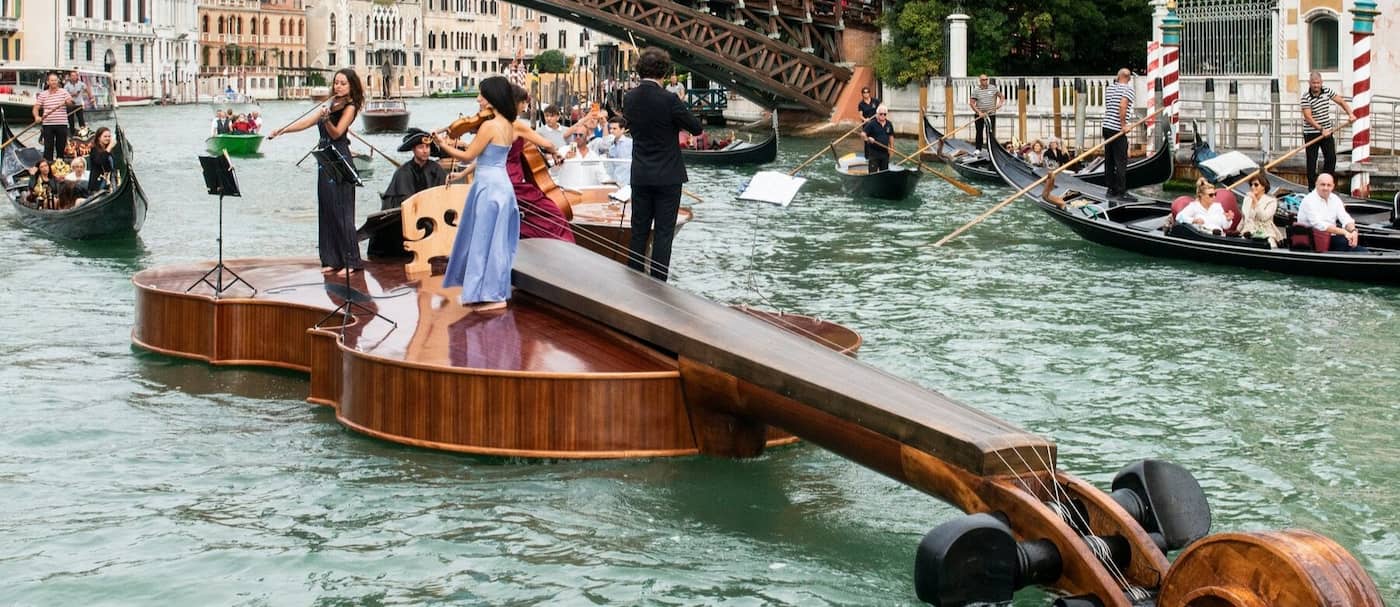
{"points": [[220, 181], [337, 164]]}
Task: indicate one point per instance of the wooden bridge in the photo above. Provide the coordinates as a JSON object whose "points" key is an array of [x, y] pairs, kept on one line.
{"points": [[780, 53]]}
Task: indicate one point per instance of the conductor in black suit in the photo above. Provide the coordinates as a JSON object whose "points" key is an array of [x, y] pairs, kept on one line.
{"points": [[655, 119]]}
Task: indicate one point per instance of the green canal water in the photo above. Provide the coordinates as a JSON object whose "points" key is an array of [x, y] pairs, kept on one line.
{"points": [[132, 478]]}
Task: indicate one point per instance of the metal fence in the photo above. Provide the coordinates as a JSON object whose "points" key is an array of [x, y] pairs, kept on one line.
{"points": [[1227, 37]]}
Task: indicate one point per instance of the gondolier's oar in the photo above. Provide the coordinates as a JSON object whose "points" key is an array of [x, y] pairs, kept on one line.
{"points": [[971, 191], [375, 149], [830, 145], [1009, 199], [17, 135], [1276, 161]]}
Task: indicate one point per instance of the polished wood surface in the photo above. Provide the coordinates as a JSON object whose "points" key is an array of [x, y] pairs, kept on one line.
{"points": [[429, 220], [530, 380], [1267, 569], [773, 359]]}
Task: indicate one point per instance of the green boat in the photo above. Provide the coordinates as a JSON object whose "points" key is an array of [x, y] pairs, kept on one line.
{"points": [[235, 144], [454, 94]]}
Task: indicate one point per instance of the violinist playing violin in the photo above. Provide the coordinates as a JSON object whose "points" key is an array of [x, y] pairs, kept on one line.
{"points": [[335, 202]]}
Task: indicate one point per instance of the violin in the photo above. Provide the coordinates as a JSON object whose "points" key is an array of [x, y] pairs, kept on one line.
{"points": [[468, 124]]}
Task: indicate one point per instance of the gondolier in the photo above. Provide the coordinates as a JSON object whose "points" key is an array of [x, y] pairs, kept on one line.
{"points": [[985, 101], [1317, 121], [879, 136], [1118, 101], [51, 107], [78, 90]]}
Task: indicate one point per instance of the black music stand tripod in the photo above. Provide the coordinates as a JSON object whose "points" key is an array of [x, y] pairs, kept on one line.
{"points": [[220, 181], [341, 171]]}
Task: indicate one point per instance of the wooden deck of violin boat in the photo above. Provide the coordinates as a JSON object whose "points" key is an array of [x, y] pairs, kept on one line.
{"points": [[532, 380], [1138, 226]]}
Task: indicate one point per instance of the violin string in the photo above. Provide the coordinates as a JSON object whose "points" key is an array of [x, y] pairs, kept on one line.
{"points": [[1056, 496], [1108, 564], [775, 319], [1075, 513]]}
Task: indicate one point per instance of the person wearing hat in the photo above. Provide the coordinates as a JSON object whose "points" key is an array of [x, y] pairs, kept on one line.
{"points": [[417, 174]]}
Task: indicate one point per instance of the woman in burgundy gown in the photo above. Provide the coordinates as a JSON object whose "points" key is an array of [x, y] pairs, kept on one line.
{"points": [[539, 216]]}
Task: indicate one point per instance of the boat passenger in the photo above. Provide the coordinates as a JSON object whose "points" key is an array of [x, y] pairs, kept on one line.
{"points": [[879, 138], [1056, 154], [221, 124], [619, 149], [43, 186], [1204, 211], [551, 130], [1323, 211], [100, 160], [1258, 214], [1036, 155]]}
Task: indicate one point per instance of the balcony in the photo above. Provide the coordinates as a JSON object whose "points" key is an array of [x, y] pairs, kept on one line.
{"points": [[89, 25]]}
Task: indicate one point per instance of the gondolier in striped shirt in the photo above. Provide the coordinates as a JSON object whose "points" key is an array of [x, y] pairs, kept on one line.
{"points": [[1118, 100], [51, 107], [1317, 121], [985, 101]]}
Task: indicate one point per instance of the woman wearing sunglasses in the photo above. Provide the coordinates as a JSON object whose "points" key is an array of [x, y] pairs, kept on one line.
{"points": [[1258, 214]]}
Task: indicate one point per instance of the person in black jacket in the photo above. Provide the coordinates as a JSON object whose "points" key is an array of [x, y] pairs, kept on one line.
{"points": [[655, 119], [879, 137]]}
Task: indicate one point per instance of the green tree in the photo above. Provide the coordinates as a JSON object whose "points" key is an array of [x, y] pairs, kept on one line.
{"points": [[551, 61], [1051, 37]]}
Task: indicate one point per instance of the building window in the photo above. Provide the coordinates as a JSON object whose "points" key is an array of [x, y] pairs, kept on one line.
{"points": [[255, 27], [544, 41], [72, 49], [5, 49], [330, 58], [72, 8], [417, 60], [87, 8], [107, 6], [1323, 45], [207, 50], [332, 33], [221, 24], [352, 57], [126, 10], [141, 10], [205, 24], [87, 50], [563, 39], [128, 52], [143, 53]]}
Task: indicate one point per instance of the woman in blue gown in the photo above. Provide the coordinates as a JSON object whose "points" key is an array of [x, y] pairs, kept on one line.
{"points": [[489, 225]]}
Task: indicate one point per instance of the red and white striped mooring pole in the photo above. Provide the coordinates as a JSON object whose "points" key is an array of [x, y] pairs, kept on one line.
{"points": [[1363, 21]]}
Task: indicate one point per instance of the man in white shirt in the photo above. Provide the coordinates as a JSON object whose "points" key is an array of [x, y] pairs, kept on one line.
{"points": [[619, 149], [1323, 211], [676, 88]]}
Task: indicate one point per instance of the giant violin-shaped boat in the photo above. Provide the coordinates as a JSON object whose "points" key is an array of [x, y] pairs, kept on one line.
{"points": [[592, 359], [118, 211], [1145, 227]]}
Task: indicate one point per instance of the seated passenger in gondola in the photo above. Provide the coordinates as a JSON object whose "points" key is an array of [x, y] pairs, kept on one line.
{"points": [[100, 160], [1259, 210], [1323, 211], [1204, 212], [43, 186], [1036, 156], [1054, 154]]}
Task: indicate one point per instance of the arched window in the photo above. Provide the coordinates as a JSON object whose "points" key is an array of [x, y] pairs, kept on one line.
{"points": [[255, 27], [301, 59], [281, 27], [221, 24], [1323, 45], [206, 52], [443, 39], [266, 29], [301, 27], [332, 27], [483, 45], [205, 29], [493, 43]]}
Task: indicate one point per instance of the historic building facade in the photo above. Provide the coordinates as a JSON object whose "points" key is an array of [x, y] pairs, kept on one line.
{"points": [[115, 36], [383, 41], [255, 47]]}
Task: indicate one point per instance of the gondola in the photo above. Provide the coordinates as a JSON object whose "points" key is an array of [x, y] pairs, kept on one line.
{"points": [[737, 153], [895, 183], [1142, 172], [119, 212], [385, 116], [951, 147], [1375, 220], [1143, 227]]}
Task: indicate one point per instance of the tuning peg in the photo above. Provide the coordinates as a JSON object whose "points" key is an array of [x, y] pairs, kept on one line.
{"points": [[1165, 499], [975, 559]]}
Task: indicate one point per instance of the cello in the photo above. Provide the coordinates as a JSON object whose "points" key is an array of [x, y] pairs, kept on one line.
{"points": [[537, 167]]}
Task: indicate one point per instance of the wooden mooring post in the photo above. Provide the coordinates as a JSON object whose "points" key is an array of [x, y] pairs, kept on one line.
{"points": [[1232, 115], [1275, 120], [1210, 113], [948, 110], [1055, 104], [1021, 94]]}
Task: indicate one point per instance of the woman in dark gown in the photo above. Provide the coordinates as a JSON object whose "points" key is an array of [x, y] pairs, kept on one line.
{"points": [[335, 202], [540, 217]]}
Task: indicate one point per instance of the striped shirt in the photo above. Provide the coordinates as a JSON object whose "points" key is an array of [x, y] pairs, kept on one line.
{"points": [[1321, 105], [985, 98], [1112, 95], [54, 105]]}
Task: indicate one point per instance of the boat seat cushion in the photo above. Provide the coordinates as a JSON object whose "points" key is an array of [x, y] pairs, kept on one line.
{"points": [[1226, 198], [1303, 238], [1230, 163]]}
